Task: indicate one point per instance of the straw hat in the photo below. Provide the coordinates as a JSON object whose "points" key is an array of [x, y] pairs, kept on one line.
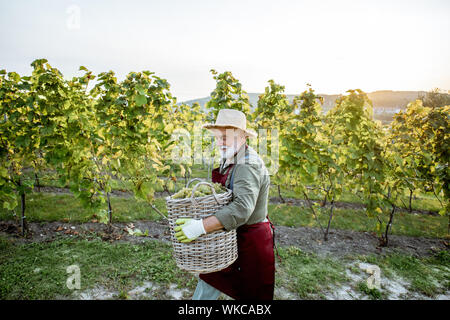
{"points": [[230, 118]]}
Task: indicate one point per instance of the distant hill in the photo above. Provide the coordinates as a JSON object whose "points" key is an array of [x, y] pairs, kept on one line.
{"points": [[385, 99], [385, 102]]}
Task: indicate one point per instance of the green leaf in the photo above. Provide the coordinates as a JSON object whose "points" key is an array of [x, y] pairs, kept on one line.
{"points": [[3, 172], [10, 205], [137, 232], [140, 100], [102, 214], [141, 90]]}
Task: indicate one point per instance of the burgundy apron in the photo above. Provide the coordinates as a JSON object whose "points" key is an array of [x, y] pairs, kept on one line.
{"points": [[252, 275]]}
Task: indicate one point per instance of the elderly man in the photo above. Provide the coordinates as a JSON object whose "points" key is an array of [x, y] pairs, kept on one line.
{"points": [[252, 275]]}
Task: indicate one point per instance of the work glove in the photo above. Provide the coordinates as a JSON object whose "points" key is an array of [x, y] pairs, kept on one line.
{"points": [[188, 229]]}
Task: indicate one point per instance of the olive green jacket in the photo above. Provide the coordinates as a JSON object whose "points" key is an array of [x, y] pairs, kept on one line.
{"points": [[251, 183]]}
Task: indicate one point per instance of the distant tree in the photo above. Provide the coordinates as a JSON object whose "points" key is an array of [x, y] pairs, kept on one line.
{"points": [[435, 99]]}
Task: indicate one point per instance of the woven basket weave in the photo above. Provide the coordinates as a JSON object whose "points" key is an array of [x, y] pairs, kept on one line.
{"points": [[210, 252]]}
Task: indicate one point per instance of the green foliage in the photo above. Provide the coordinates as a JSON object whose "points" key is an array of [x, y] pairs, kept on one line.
{"points": [[228, 94], [270, 116], [271, 105], [131, 140], [361, 144], [359, 140], [310, 158], [88, 137], [188, 137], [421, 143], [35, 128]]}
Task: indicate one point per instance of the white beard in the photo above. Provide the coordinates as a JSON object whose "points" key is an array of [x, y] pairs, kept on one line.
{"points": [[227, 152]]}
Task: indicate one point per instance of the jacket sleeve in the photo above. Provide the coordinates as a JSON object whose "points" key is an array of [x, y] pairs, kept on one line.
{"points": [[245, 193]]}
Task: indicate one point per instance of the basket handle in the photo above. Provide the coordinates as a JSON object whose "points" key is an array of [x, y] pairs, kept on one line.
{"points": [[205, 183], [192, 180]]}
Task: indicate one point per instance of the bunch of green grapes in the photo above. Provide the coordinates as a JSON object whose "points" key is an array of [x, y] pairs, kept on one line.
{"points": [[202, 190]]}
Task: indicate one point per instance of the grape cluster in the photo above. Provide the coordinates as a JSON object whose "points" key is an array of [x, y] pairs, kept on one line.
{"points": [[202, 190]]}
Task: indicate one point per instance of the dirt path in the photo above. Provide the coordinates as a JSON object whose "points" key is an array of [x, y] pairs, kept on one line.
{"points": [[340, 243]]}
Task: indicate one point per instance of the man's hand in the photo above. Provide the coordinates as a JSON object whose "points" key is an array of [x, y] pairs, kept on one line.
{"points": [[188, 229]]}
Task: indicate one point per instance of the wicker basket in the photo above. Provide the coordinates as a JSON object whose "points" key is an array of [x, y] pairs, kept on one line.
{"points": [[210, 252]]}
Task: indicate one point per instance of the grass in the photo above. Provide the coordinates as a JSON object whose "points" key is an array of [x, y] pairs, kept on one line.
{"points": [[348, 219], [422, 201], [311, 276], [50, 207], [372, 293], [307, 274], [38, 270], [428, 276]]}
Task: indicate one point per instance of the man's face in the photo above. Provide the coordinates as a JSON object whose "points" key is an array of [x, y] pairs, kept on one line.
{"points": [[229, 139]]}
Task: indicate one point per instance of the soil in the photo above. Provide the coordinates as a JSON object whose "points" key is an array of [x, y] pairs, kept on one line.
{"points": [[50, 231], [340, 242]]}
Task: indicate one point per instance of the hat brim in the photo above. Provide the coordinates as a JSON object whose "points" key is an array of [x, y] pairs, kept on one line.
{"points": [[211, 126]]}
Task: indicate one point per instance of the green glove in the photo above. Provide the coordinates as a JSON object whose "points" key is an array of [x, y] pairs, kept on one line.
{"points": [[188, 229]]}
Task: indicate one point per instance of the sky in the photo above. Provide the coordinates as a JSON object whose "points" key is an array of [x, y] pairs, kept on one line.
{"points": [[333, 45]]}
